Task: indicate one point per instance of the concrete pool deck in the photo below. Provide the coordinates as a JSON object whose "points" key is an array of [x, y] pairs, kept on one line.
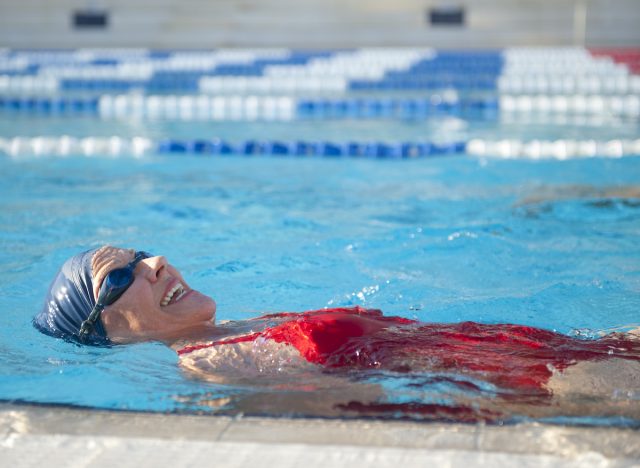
{"points": [[53, 436]]}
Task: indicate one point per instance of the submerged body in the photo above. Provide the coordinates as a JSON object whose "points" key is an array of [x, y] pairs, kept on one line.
{"points": [[522, 365]]}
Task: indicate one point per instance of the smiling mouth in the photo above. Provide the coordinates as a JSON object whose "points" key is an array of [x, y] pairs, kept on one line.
{"points": [[174, 294]]}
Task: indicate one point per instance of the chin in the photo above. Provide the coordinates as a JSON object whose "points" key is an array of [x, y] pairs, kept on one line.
{"points": [[212, 310], [206, 305]]}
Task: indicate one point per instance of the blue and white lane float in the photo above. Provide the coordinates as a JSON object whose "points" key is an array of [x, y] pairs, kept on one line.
{"points": [[239, 108], [205, 107], [66, 146], [140, 146]]}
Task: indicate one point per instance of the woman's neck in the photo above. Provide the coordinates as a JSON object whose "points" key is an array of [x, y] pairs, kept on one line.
{"points": [[209, 331], [203, 332]]}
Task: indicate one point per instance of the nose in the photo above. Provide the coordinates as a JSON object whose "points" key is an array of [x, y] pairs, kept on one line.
{"points": [[155, 267]]}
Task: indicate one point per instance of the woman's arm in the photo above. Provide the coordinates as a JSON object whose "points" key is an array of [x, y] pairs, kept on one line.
{"points": [[302, 387], [259, 362]]}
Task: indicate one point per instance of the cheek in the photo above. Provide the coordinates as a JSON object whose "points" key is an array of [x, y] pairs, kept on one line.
{"points": [[137, 306], [116, 323]]}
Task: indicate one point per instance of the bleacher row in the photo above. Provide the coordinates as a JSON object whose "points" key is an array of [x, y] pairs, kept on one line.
{"points": [[285, 71]]}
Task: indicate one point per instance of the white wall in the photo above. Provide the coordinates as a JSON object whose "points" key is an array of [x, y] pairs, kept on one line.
{"points": [[319, 23]]}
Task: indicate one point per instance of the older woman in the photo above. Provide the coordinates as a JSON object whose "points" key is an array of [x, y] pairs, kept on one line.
{"points": [[118, 296]]}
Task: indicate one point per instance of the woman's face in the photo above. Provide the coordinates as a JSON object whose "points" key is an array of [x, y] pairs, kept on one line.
{"points": [[158, 305]]}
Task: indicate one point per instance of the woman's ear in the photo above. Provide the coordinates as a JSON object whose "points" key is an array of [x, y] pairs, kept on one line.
{"points": [[115, 324]]}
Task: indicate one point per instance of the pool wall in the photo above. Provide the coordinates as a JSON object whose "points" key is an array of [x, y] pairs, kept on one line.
{"points": [[318, 23]]}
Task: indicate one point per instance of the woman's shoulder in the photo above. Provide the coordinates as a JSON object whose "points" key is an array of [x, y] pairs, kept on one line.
{"points": [[241, 358]]}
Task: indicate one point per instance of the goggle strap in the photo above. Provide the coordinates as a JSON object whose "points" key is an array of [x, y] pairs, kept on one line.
{"points": [[88, 325]]}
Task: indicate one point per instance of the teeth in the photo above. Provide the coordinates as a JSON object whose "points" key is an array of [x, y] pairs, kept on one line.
{"points": [[172, 291], [182, 293]]}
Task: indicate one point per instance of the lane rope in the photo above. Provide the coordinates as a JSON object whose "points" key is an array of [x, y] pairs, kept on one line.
{"points": [[44, 146], [204, 107]]}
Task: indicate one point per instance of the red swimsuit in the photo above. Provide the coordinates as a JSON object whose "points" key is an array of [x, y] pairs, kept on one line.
{"points": [[510, 356]]}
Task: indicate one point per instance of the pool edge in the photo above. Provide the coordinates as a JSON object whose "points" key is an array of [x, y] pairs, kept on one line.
{"points": [[25, 422]]}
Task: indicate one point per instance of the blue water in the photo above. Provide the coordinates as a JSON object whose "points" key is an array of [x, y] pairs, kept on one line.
{"points": [[552, 244]]}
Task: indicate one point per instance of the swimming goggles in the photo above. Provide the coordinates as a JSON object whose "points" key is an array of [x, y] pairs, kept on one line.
{"points": [[114, 285]]}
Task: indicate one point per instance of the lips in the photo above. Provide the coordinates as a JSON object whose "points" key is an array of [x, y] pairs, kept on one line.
{"points": [[174, 293]]}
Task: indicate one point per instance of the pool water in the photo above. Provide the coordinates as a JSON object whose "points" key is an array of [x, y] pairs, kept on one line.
{"points": [[446, 240], [545, 243]]}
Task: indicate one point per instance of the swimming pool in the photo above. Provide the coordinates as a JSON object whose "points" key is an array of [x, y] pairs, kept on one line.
{"points": [[459, 237]]}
